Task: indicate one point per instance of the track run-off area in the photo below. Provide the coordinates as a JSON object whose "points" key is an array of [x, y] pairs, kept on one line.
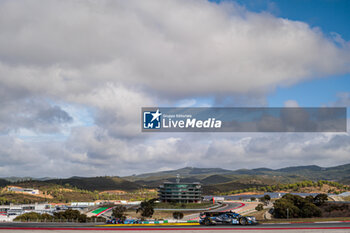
{"points": [[25, 227]]}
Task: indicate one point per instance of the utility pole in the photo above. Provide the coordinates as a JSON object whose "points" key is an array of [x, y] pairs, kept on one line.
{"points": [[287, 213]]}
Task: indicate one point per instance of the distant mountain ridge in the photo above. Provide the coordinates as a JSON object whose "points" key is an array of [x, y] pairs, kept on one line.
{"points": [[193, 171], [212, 179], [187, 171], [339, 173], [256, 171], [4, 182], [17, 178]]}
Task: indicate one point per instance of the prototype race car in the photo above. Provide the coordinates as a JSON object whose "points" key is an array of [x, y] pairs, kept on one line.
{"points": [[114, 221], [125, 221], [213, 218]]}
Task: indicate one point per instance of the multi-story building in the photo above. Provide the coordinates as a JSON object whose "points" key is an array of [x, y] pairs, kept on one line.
{"points": [[12, 209], [180, 192]]}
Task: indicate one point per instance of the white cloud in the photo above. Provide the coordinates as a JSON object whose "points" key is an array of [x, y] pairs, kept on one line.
{"points": [[187, 103], [114, 57], [176, 48], [343, 99], [291, 104], [118, 109]]}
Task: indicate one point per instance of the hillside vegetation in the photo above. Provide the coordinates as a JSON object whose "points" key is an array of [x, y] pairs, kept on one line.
{"points": [[226, 188], [51, 192], [97, 183], [4, 182], [283, 175], [213, 180], [308, 186], [15, 198]]}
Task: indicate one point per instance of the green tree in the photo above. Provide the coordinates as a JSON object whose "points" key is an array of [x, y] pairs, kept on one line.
{"points": [[309, 199], [284, 208], [82, 218], [46, 217], [320, 199], [294, 206], [178, 215], [146, 208], [309, 210], [32, 216], [259, 207], [119, 211], [267, 197], [68, 214]]}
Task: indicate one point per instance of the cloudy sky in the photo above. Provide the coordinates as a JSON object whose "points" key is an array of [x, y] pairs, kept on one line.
{"points": [[75, 74]]}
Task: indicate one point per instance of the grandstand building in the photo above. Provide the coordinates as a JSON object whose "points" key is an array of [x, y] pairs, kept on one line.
{"points": [[180, 192], [23, 190]]}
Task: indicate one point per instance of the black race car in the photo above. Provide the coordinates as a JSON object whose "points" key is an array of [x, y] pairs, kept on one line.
{"points": [[213, 218]]}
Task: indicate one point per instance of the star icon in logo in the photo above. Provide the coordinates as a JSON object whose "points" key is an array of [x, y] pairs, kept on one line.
{"points": [[156, 115]]}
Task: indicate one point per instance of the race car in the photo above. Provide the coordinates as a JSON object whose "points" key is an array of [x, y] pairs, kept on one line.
{"points": [[114, 221], [124, 221], [213, 218], [132, 221]]}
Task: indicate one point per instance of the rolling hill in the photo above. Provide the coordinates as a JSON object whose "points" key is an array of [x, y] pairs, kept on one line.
{"points": [[102, 183], [4, 182], [213, 179], [85, 183], [225, 187], [214, 175], [184, 172]]}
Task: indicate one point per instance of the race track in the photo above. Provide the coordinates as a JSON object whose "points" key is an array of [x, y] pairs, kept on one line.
{"points": [[266, 228]]}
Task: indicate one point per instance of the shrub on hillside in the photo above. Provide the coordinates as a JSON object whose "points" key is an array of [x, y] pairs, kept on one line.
{"points": [[119, 211], [178, 215], [68, 215], [32, 216], [294, 206], [335, 210], [259, 207], [146, 208]]}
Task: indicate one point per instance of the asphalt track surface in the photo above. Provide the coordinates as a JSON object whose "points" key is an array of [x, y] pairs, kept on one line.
{"points": [[226, 207], [229, 206], [338, 227], [266, 228]]}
